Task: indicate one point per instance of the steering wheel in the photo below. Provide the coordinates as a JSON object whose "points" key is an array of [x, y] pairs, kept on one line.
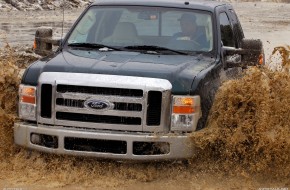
{"points": [[184, 44], [197, 45]]}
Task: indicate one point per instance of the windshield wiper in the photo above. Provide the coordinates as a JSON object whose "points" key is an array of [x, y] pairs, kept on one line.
{"points": [[155, 48], [92, 45]]}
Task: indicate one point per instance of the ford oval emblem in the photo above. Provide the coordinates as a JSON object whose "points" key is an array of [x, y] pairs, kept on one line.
{"points": [[98, 104]]}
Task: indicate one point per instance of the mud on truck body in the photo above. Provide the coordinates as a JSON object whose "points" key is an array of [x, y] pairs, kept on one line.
{"points": [[125, 84]]}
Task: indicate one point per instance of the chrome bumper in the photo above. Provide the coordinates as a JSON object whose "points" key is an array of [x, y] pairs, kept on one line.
{"points": [[180, 145]]}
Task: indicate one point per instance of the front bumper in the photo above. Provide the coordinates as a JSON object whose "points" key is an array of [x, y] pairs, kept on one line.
{"points": [[179, 145]]}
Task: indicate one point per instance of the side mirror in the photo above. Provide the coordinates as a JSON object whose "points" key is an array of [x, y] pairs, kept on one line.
{"points": [[44, 41], [250, 54]]}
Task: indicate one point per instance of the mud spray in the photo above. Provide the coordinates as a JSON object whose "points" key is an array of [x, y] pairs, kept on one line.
{"points": [[245, 145]]}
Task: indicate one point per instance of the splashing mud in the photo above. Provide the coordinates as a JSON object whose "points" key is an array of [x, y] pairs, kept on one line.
{"points": [[249, 126], [280, 59], [246, 144], [9, 82]]}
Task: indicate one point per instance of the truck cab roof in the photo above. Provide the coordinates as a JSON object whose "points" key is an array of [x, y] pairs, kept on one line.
{"points": [[199, 4]]}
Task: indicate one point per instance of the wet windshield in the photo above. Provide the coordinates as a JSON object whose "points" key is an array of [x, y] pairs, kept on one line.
{"points": [[135, 27]]}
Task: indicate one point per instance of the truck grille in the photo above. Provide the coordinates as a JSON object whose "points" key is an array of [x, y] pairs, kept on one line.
{"points": [[138, 104], [80, 104], [154, 108], [100, 90], [98, 118], [46, 102]]}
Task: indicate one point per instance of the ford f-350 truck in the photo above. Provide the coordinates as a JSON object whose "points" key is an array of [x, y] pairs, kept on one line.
{"points": [[132, 79]]}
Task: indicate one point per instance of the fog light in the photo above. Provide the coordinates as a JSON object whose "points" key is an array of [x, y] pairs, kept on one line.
{"points": [[35, 139]]}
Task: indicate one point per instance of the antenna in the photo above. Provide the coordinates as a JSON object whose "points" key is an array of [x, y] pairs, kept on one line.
{"points": [[63, 4]]}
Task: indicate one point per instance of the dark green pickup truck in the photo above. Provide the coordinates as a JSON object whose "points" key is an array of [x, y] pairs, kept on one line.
{"points": [[132, 79]]}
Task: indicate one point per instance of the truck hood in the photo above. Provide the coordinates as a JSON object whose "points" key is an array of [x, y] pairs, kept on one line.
{"points": [[180, 70]]}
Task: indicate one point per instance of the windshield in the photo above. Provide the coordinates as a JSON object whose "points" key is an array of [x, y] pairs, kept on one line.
{"points": [[136, 26]]}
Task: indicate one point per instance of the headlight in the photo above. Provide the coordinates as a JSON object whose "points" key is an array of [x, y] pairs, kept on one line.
{"points": [[27, 102], [185, 113]]}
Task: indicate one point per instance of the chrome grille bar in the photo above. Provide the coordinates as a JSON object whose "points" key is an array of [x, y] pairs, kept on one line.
{"points": [[80, 96], [88, 111]]}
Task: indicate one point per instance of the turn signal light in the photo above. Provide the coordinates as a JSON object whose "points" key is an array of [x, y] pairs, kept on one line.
{"points": [[187, 101], [261, 59], [183, 105], [183, 109], [29, 91], [34, 45], [27, 94], [28, 99]]}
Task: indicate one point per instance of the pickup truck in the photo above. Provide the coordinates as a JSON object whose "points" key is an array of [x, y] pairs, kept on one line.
{"points": [[131, 80]]}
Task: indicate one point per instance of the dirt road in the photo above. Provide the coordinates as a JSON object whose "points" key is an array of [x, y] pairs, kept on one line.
{"points": [[16, 30], [23, 170], [269, 22]]}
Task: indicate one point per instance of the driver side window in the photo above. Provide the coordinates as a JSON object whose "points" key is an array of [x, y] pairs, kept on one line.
{"points": [[227, 35]]}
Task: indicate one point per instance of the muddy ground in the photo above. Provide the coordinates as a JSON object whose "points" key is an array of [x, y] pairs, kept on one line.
{"points": [[246, 146], [32, 5]]}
